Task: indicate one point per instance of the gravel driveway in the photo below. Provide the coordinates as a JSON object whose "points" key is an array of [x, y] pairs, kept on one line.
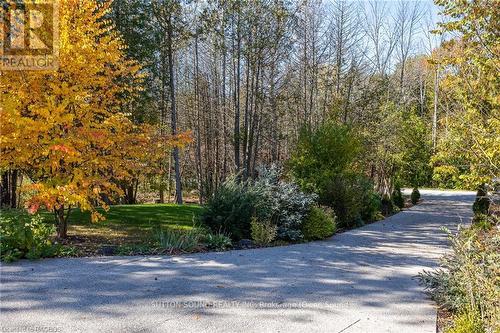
{"points": [[358, 281]]}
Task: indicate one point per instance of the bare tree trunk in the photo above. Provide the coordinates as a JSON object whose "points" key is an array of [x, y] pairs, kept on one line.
{"points": [[224, 110], [199, 166], [237, 96], [434, 114], [8, 189], [173, 110], [163, 112]]}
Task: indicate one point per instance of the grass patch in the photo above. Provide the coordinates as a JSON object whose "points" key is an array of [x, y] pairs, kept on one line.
{"points": [[133, 220], [124, 224]]}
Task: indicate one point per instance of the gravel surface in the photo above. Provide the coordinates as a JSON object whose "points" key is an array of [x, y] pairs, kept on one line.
{"points": [[358, 281]]}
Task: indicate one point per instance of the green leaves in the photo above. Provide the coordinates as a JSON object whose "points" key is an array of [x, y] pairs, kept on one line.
{"points": [[323, 153], [23, 236]]}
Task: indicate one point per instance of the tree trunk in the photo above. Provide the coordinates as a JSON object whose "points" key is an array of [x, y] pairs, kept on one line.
{"points": [[5, 190], [237, 98], [175, 153], [13, 189], [8, 189], [199, 164], [434, 115], [62, 222]]}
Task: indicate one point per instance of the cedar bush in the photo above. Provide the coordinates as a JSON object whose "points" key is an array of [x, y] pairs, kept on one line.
{"points": [[397, 198], [319, 224], [415, 196], [353, 200], [482, 203]]}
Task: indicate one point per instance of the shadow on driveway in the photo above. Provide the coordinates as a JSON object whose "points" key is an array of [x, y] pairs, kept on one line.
{"points": [[364, 276]]}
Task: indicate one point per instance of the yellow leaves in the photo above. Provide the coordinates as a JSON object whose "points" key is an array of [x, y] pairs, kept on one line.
{"points": [[96, 216], [64, 126], [471, 90]]}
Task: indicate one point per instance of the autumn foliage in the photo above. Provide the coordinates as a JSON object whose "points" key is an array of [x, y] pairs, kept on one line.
{"points": [[66, 129]]}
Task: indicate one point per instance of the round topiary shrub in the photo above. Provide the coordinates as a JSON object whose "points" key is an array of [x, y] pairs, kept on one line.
{"points": [[319, 224], [415, 196], [387, 207], [482, 203], [397, 198]]}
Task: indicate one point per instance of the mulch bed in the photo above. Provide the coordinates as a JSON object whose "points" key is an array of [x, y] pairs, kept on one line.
{"points": [[90, 245]]}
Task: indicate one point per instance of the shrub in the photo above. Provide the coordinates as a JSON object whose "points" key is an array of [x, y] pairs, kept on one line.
{"points": [[263, 233], [387, 205], [232, 206], [322, 154], [482, 203], [268, 198], [467, 280], [353, 199], [397, 198], [371, 203], [180, 240], [483, 221], [25, 236], [343, 196], [415, 196], [319, 224], [288, 205], [217, 241], [467, 322]]}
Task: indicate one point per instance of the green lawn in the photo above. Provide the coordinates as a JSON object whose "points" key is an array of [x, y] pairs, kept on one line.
{"points": [[129, 225], [134, 222]]}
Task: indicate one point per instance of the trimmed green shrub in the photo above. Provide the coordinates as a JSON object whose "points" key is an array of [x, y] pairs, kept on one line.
{"points": [[371, 202], [415, 196], [353, 200], [344, 197], [387, 205], [319, 224], [482, 203], [25, 236], [397, 198]]}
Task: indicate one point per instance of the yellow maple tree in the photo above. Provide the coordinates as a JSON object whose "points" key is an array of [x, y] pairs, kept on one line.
{"points": [[64, 129]]}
